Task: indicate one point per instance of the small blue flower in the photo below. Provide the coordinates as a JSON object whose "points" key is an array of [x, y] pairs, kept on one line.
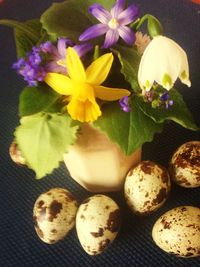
{"points": [[165, 96], [19, 64], [169, 103], [34, 58], [30, 68], [124, 103]]}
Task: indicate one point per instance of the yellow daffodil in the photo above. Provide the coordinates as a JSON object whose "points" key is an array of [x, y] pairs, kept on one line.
{"points": [[83, 86], [163, 61]]}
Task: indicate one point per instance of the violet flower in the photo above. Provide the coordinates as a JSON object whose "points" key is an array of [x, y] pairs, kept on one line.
{"points": [[34, 68], [124, 103], [57, 62], [165, 99], [30, 68], [113, 23]]}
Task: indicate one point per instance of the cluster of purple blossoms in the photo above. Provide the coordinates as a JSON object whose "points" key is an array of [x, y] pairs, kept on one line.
{"points": [[158, 100], [50, 58], [47, 58], [31, 68]]}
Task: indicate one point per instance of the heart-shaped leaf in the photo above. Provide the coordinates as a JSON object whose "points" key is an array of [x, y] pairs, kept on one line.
{"points": [[128, 130], [70, 18], [43, 139]]}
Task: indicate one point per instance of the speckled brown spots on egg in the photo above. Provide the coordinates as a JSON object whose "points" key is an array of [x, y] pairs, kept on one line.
{"points": [[54, 209], [98, 234], [16, 154], [85, 206], [162, 195], [183, 209], [178, 231], [98, 225], [164, 175], [70, 197], [54, 231], [147, 166], [114, 221], [103, 244], [184, 166], [148, 187], [54, 215], [40, 204]]}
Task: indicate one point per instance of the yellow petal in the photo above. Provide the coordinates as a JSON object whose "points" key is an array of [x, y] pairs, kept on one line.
{"points": [[60, 83], [75, 67], [83, 111], [110, 94], [98, 71]]}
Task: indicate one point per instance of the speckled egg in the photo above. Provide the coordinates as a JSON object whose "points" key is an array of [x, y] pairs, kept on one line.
{"points": [[54, 214], [97, 223], [178, 231], [185, 165], [146, 187], [16, 154]]}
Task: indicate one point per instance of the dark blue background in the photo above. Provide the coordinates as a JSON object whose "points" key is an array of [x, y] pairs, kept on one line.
{"points": [[19, 245]]}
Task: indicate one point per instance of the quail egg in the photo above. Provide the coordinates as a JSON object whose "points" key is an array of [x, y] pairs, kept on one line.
{"points": [[16, 154], [178, 231], [97, 223], [185, 165], [146, 187], [54, 214]]}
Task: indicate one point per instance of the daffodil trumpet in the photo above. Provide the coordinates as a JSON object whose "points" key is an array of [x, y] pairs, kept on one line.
{"points": [[82, 87]]}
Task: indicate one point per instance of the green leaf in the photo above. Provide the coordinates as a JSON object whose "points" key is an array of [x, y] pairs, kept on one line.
{"points": [[24, 27], [129, 130], [25, 42], [43, 139], [70, 18], [129, 60], [178, 113], [37, 99]]}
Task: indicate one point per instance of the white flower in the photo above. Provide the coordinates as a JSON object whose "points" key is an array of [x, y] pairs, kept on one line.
{"points": [[163, 62], [141, 42]]}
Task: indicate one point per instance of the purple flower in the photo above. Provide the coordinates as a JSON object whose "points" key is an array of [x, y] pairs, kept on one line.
{"points": [[30, 68], [113, 23], [47, 47], [124, 103], [34, 58], [165, 100], [168, 104], [165, 96], [19, 64], [57, 62], [46, 58]]}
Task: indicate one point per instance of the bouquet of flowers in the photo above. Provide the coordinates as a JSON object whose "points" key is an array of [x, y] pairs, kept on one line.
{"points": [[86, 61]]}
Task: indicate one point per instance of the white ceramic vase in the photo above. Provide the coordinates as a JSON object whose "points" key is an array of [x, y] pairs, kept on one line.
{"points": [[98, 164]]}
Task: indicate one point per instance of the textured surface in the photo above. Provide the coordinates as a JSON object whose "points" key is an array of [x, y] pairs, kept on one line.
{"points": [[19, 244]]}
